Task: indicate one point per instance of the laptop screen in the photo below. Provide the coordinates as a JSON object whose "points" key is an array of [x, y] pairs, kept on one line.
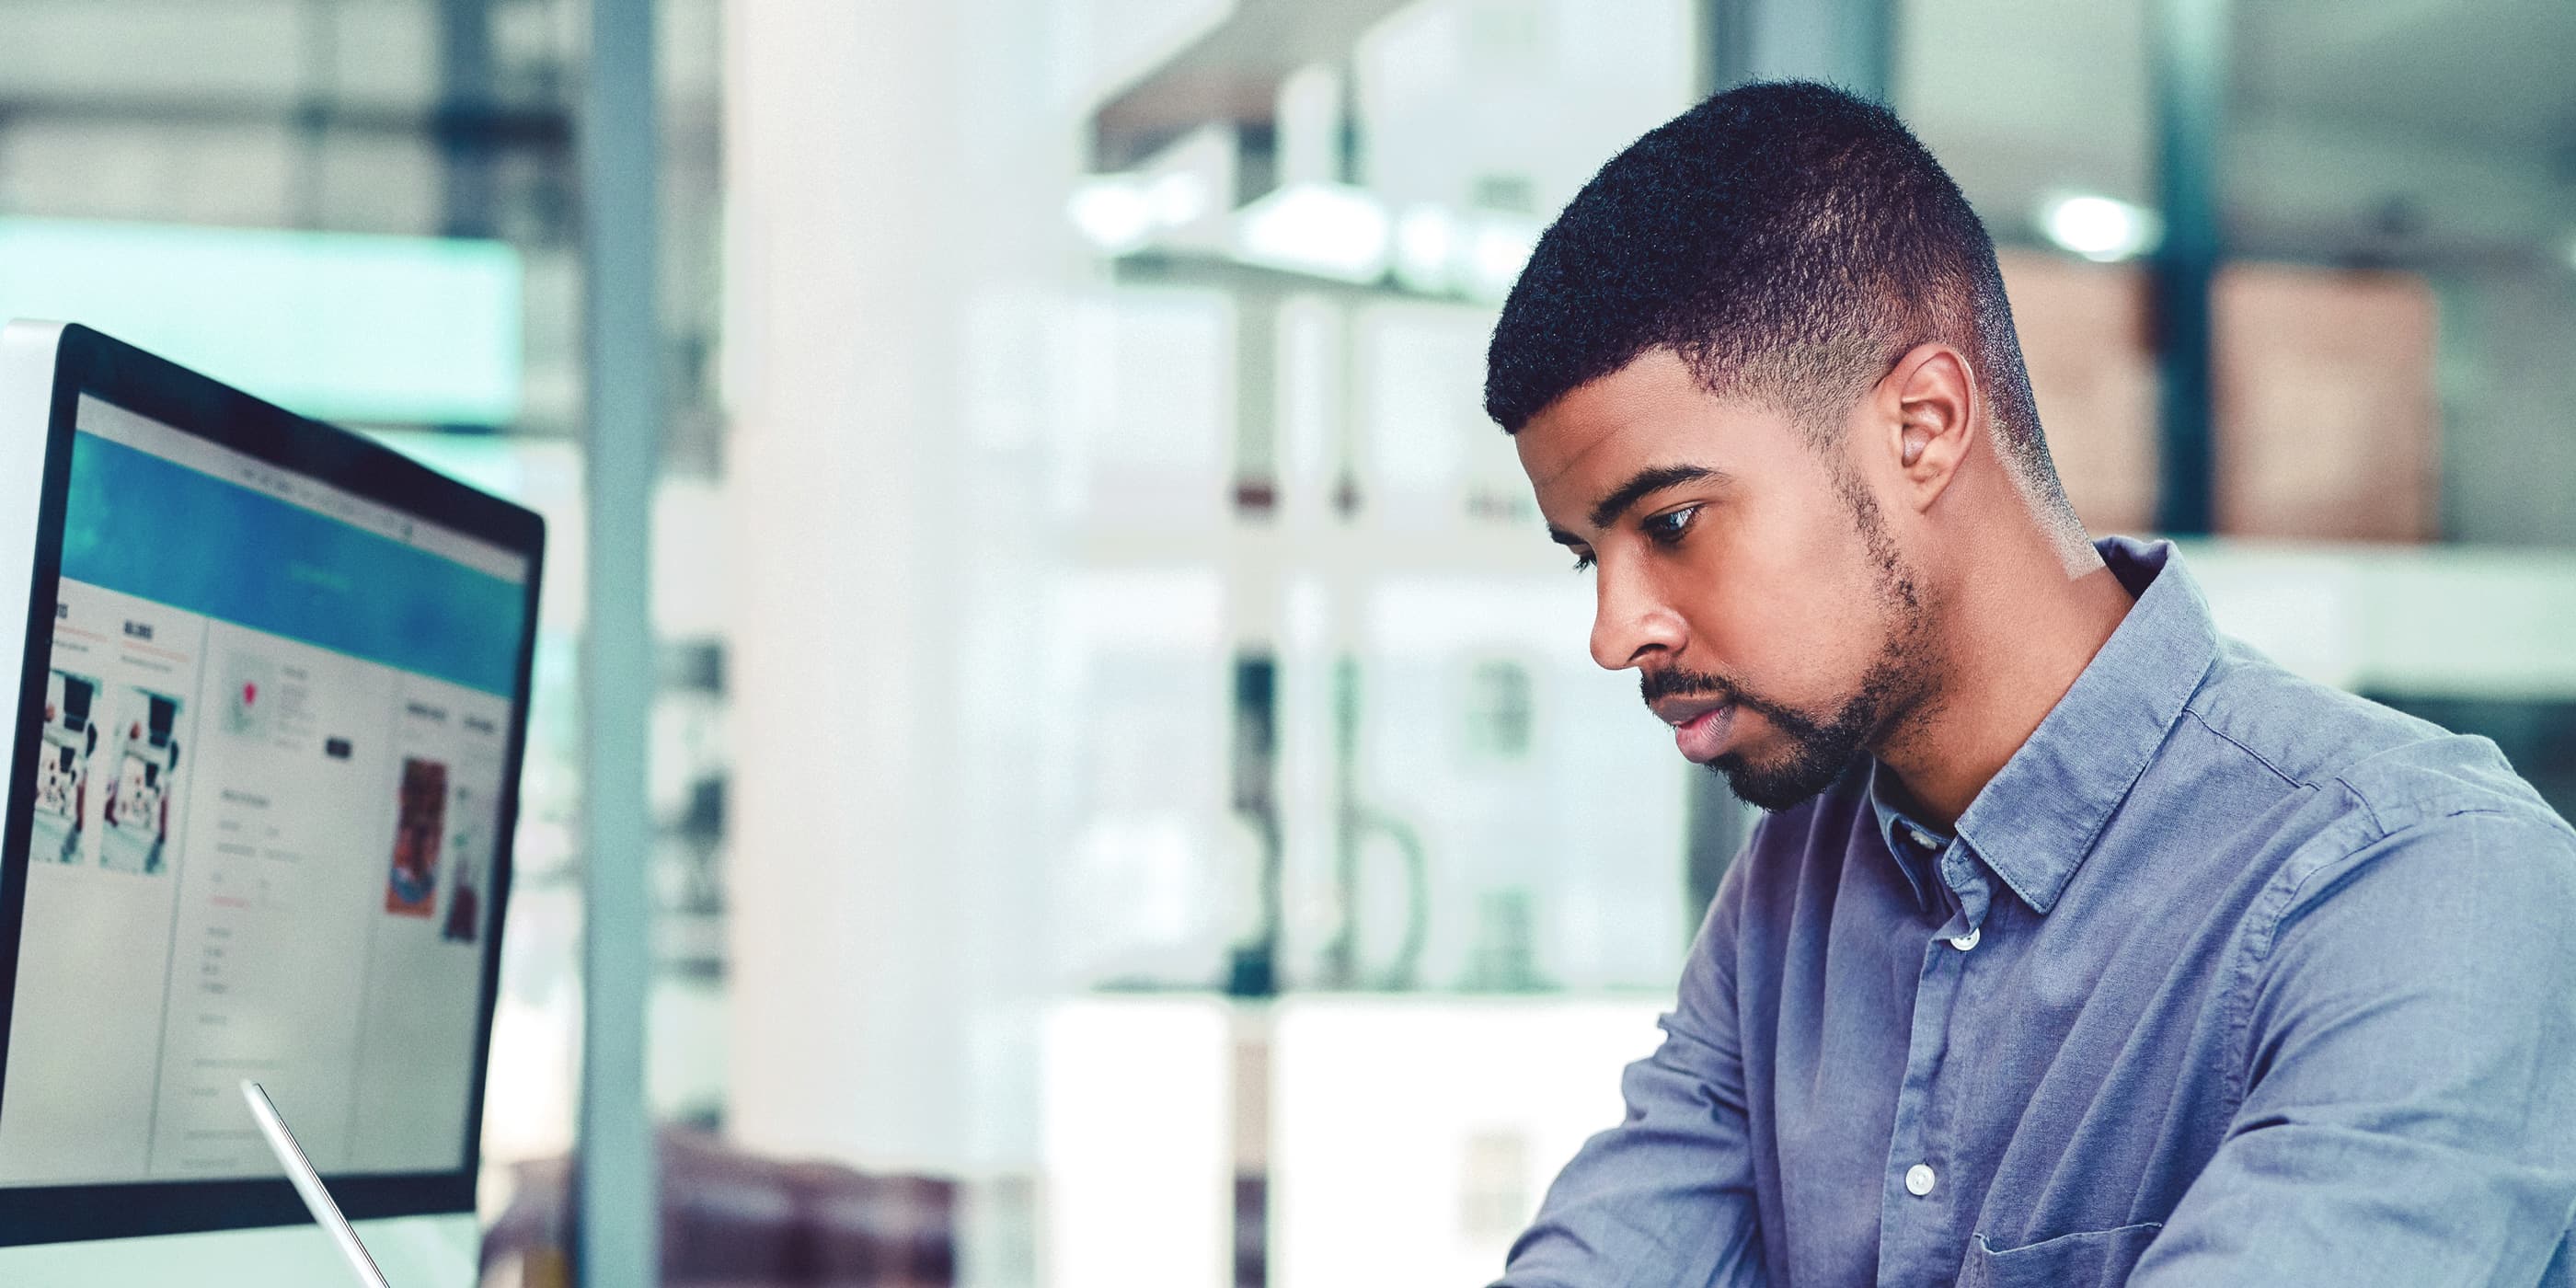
{"points": [[277, 729]]}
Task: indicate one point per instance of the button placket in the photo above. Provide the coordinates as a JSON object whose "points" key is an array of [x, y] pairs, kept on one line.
{"points": [[1915, 1218]]}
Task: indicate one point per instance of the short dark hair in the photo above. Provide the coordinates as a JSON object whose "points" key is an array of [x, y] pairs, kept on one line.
{"points": [[1790, 241]]}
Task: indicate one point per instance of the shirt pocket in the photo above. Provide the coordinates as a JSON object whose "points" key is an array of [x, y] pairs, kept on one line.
{"points": [[2092, 1259]]}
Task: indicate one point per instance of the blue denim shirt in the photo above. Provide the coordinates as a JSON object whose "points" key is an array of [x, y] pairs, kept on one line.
{"points": [[2226, 978]]}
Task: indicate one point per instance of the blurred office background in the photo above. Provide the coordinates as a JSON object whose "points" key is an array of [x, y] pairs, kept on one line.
{"points": [[1125, 781]]}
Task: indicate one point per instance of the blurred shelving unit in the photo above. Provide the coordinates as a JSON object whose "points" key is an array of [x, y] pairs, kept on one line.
{"points": [[2412, 622], [1385, 598], [1443, 840]]}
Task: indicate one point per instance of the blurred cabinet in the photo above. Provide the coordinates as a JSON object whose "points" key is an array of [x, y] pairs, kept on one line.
{"points": [[1414, 1137], [1317, 710], [2326, 419], [1136, 1156], [2325, 416], [1531, 787], [2084, 337], [1404, 1139]]}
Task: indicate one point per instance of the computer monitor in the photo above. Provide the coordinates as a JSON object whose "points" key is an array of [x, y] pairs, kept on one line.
{"points": [[270, 714]]}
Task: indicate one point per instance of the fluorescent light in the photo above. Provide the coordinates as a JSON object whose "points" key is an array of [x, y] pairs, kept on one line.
{"points": [[1326, 229], [1426, 239], [1176, 199], [343, 326], [1113, 211], [2099, 228], [1329, 230], [1501, 249], [1479, 255], [1119, 213]]}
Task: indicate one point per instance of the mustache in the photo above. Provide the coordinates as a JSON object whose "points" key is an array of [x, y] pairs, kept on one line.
{"points": [[1674, 682]]}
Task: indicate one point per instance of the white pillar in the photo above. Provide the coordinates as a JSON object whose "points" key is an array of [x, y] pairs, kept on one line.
{"points": [[892, 169]]}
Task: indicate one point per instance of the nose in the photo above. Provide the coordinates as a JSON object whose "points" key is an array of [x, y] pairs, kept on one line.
{"points": [[1630, 621]]}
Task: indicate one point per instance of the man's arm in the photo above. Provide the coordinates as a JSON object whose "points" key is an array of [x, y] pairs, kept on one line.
{"points": [[2410, 1113], [1665, 1198]]}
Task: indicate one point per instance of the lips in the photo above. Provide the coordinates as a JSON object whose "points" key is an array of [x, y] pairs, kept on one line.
{"points": [[1701, 733]]}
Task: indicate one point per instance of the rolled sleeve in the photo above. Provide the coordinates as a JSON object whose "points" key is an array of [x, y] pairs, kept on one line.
{"points": [[2409, 1066], [1666, 1198]]}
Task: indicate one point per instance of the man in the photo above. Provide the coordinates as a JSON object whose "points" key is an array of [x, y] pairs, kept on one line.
{"points": [[2080, 945]]}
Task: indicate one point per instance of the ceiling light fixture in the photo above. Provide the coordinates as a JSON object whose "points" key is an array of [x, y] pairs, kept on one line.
{"points": [[2102, 229], [1114, 212], [1426, 240], [1502, 248], [1327, 229]]}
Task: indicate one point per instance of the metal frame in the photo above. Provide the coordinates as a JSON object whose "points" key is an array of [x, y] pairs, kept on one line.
{"points": [[2190, 98], [616, 1224], [1850, 43]]}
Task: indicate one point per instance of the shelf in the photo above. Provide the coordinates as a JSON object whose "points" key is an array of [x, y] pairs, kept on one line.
{"points": [[2414, 621], [1229, 73], [1207, 271]]}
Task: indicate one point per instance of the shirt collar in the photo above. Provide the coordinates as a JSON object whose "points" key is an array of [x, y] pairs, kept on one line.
{"points": [[1894, 806], [2037, 819]]}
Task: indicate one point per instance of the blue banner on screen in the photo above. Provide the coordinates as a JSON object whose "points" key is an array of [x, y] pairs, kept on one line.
{"points": [[138, 524]]}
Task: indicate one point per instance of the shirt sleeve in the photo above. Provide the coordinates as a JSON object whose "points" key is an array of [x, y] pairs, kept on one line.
{"points": [[1665, 1199], [2410, 1074]]}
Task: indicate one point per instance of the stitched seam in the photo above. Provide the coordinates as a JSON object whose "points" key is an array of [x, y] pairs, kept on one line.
{"points": [[2254, 963], [2253, 945], [2259, 758], [2377, 823], [2259, 925]]}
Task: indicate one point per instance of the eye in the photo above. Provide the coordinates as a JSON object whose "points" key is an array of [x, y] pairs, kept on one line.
{"points": [[1582, 560], [1666, 529]]}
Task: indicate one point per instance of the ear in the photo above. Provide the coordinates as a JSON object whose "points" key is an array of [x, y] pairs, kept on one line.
{"points": [[1928, 407]]}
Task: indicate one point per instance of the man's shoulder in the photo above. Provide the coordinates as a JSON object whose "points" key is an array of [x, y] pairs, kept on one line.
{"points": [[2377, 791], [2355, 756]]}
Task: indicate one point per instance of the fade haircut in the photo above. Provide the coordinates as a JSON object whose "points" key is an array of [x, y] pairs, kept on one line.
{"points": [[1790, 242]]}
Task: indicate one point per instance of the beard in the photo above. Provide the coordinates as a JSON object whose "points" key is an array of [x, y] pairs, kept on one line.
{"points": [[1820, 745]]}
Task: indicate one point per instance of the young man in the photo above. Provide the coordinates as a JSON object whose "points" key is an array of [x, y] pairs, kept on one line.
{"points": [[2081, 945]]}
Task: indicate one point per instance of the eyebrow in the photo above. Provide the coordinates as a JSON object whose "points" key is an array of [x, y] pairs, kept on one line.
{"points": [[1645, 483]]}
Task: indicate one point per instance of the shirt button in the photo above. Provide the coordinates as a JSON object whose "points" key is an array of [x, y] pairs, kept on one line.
{"points": [[1923, 838], [1918, 1180], [1969, 940]]}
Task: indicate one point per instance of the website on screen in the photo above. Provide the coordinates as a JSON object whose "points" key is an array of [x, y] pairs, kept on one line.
{"points": [[275, 731]]}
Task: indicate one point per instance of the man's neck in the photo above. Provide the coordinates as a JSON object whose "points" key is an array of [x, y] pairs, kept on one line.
{"points": [[2016, 636]]}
